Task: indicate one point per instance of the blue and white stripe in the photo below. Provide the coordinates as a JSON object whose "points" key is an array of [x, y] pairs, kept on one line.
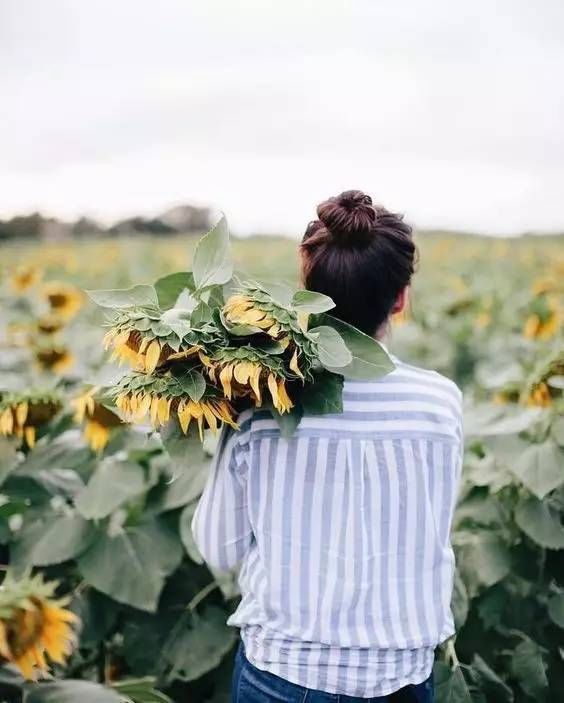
{"points": [[342, 533]]}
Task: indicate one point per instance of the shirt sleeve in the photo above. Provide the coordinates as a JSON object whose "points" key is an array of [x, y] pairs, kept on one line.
{"points": [[221, 526]]}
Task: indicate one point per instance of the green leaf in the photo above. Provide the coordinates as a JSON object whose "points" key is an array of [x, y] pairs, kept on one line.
{"points": [[369, 362], [70, 691], [212, 261], [450, 686], [58, 539], [460, 602], [490, 683], [141, 690], [177, 320], [168, 288], [137, 296], [332, 351], [541, 468], [529, 668], [185, 528], [308, 301], [280, 293], [483, 559], [556, 609], [539, 521], [185, 487], [191, 652], [324, 395], [288, 422], [193, 383], [113, 483], [131, 567]]}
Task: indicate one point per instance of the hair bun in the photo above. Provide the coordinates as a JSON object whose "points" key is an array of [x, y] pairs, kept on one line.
{"points": [[348, 217]]}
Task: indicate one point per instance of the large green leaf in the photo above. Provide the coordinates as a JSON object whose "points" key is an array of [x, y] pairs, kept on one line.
{"points": [[541, 522], [168, 288], [323, 396], [136, 296], [183, 488], [483, 559], [113, 483], [140, 691], [193, 383], [191, 652], [450, 686], [332, 351], [185, 528], [308, 301], [131, 567], [52, 541], [541, 467], [70, 691], [288, 422], [489, 682], [460, 603], [212, 261], [529, 668], [556, 608], [369, 361]]}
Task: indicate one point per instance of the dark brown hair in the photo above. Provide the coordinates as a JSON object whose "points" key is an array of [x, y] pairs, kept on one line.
{"points": [[360, 255]]}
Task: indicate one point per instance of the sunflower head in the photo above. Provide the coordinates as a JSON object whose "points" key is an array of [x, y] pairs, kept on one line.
{"points": [[50, 324], [24, 278], [97, 418], [64, 299], [21, 414], [35, 628], [147, 339], [181, 393], [56, 359], [249, 372]]}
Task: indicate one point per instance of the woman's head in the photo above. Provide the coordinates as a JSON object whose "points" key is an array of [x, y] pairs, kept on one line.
{"points": [[360, 255]]}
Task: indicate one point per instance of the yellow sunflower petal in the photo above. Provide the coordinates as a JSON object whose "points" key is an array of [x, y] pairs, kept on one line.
{"points": [[21, 413], [273, 388], [225, 379], [152, 356], [29, 434], [294, 364]]}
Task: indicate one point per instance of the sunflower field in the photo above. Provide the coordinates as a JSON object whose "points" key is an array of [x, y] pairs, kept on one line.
{"points": [[104, 595]]}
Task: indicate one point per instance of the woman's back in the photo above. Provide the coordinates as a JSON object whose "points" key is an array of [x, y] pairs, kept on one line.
{"points": [[343, 534]]}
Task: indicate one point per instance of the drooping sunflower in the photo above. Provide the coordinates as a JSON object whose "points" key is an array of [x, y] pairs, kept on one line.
{"points": [[177, 393], [147, 339], [34, 626], [50, 324], [98, 419], [64, 299], [246, 371], [545, 320], [21, 414], [25, 277], [56, 358]]}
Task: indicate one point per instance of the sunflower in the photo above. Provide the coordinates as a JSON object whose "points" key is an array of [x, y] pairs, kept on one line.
{"points": [[25, 277], [161, 398], [22, 414], [536, 328], [246, 372], [56, 359], [539, 396], [242, 309], [98, 419], [34, 627], [63, 298], [143, 353], [50, 324]]}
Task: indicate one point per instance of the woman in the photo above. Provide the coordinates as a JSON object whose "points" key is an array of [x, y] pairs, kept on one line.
{"points": [[343, 530]]}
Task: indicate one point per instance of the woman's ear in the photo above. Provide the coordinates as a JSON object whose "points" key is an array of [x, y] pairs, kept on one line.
{"points": [[401, 300]]}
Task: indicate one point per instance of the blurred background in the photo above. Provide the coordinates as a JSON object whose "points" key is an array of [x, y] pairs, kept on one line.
{"points": [[126, 126]]}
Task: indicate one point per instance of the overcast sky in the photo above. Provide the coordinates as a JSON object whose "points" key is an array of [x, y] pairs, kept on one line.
{"points": [[452, 112]]}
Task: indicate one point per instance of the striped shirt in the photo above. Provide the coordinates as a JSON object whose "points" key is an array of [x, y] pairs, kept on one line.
{"points": [[342, 532]]}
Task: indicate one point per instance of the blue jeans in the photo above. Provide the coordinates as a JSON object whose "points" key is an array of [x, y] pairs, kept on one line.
{"points": [[251, 685]]}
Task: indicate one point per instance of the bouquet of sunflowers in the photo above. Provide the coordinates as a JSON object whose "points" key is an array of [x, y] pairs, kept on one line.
{"points": [[205, 344]]}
